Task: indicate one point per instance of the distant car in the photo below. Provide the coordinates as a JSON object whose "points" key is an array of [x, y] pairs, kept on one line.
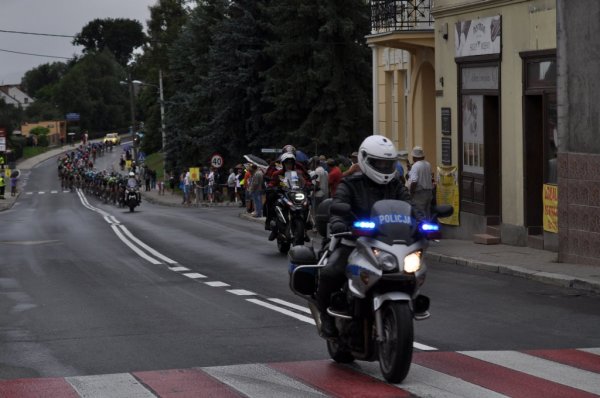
{"points": [[112, 138]]}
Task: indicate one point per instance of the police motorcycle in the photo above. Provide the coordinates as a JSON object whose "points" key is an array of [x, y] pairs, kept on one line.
{"points": [[375, 309], [132, 196], [291, 213]]}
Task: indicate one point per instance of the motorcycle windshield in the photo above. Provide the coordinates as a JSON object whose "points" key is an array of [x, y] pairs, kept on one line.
{"points": [[131, 183], [394, 221], [292, 180]]}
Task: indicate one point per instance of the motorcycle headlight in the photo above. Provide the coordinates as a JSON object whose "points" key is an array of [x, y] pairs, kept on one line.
{"points": [[299, 196], [387, 261], [412, 262]]}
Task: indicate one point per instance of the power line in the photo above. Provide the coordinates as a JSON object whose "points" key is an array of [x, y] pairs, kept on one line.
{"points": [[36, 34], [35, 55]]}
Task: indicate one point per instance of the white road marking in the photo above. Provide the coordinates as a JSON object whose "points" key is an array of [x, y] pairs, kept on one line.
{"points": [[423, 347], [425, 382], [241, 292], [258, 381], [28, 193], [41, 192], [179, 269], [591, 350], [145, 246], [53, 191], [195, 275], [66, 190], [283, 311], [133, 247], [291, 305], [217, 284], [122, 385], [542, 368]]}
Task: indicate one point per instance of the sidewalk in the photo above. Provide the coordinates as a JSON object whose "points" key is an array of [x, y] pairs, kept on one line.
{"points": [[538, 265], [524, 262]]}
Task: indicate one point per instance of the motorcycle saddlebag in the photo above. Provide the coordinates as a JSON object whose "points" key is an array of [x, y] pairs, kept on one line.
{"points": [[301, 255], [322, 217]]}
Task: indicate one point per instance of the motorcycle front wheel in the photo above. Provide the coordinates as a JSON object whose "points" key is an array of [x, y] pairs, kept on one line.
{"points": [[298, 232], [396, 347], [338, 354], [283, 246]]}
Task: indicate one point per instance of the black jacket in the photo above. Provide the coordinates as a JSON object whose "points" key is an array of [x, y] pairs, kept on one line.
{"points": [[361, 193]]}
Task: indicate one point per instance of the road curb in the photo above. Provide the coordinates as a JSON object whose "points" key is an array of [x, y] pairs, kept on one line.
{"points": [[548, 278]]}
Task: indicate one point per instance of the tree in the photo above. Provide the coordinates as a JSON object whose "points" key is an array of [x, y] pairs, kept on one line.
{"points": [[10, 116], [120, 36], [91, 88], [237, 60], [167, 17], [319, 85], [38, 82], [189, 110]]}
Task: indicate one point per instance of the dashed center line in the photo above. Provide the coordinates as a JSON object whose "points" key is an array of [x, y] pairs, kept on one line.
{"points": [[194, 275], [217, 284], [179, 269], [241, 292]]}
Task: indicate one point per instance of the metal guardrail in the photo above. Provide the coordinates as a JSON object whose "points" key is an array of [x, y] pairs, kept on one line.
{"points": [[401, 15]]}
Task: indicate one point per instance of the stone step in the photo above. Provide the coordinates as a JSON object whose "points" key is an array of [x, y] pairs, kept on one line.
{"points": [[486, 239], [493, 230]]}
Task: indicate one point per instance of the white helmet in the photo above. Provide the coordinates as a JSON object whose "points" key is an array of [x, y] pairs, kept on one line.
{"points": [[377, 159], [287, 156], [131, 174]]}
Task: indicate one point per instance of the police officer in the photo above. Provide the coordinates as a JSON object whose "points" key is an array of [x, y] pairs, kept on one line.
{"points": [[2, 186], [378, 180]]}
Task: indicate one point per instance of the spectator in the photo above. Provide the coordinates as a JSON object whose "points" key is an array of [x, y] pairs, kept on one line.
{"points": [[354, 168], [210, 182], [321, 184], [13, 183], [256, 187], [231, 185], [420, 184], [335, 176]]}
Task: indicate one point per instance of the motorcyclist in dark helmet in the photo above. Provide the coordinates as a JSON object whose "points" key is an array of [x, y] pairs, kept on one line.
{"points": [[377, 158]]}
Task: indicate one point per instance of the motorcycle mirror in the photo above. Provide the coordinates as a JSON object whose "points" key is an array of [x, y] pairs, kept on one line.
{"points": [[340, 209]]}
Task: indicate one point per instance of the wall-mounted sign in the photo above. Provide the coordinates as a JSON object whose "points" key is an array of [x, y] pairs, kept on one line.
{"points": [[472, 130], [446, 121], [446, 151], [478, 37]]}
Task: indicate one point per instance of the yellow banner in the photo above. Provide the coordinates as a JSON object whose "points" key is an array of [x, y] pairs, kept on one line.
{"points": [[550, 197], [447, 193], [195, 173]]}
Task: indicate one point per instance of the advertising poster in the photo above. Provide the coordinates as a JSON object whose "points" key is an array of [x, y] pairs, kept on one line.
{"points": [[447, 192], [550, 196], [478, 37], [472, 129]]}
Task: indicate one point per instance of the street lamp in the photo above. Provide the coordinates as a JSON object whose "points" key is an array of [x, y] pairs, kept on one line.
{"points": [[129, 83]]}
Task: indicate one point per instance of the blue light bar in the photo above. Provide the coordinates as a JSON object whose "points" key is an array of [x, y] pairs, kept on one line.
{"points": [[364, 225], [426, 227]]}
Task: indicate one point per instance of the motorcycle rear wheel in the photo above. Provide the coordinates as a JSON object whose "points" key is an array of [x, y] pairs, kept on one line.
{"points": [[338, 354], [395, 351]]}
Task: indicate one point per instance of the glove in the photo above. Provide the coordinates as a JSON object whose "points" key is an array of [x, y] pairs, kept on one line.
{"points": [[338, 227]]}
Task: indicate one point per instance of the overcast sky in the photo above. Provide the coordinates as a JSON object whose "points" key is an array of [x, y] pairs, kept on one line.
{"points": [[63, 17]]}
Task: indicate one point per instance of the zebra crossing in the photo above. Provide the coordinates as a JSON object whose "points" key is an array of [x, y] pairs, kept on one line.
{"points": [[477, 374]]}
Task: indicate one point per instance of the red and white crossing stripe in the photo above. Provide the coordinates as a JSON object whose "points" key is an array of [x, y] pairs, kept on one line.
{"points": [[477, 374]]}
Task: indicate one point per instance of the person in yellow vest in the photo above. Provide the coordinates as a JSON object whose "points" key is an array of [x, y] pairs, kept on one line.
{"points": [[2, 161], [2, 186]]}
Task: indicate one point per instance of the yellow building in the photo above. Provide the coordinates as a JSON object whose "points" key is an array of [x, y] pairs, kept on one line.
{"points": [[57, 134], [495, 65], [402, 40]]}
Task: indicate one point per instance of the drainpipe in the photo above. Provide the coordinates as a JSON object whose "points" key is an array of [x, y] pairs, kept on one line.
{"points": [[375, 90]]}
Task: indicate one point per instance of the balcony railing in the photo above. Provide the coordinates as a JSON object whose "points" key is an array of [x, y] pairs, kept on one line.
{"points": [[400, 15]]}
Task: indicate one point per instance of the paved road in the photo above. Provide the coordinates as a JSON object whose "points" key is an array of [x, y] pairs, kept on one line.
{"points": [[105, 302]]}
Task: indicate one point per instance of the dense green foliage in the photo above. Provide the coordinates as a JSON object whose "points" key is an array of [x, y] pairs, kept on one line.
{"points": [[238, 76], [119, 36]]}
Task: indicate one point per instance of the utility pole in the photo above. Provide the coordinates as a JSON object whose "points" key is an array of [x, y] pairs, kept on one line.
{"points": [[132, 108]]}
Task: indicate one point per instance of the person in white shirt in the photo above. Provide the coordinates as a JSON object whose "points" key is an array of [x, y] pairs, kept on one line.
{"points": [[420, 183]]}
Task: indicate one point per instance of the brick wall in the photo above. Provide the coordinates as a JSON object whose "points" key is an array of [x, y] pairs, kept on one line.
{"points": [[579, 208]]}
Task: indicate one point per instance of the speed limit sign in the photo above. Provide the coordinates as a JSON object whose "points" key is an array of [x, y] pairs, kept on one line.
{"points": [[216, 161]]}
